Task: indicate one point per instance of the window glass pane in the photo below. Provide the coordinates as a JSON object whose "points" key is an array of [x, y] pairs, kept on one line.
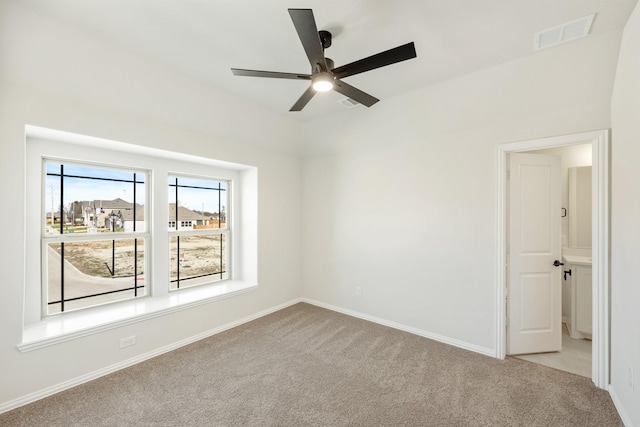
{"points": [[196, 204], [197, 259], [88, 273], [92, 200]]}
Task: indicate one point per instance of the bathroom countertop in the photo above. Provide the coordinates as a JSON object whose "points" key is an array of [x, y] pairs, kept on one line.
{"points": [[577, 259]]}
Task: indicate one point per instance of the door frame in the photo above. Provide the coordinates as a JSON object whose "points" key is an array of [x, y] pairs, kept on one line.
{"points": [[600, 354]]}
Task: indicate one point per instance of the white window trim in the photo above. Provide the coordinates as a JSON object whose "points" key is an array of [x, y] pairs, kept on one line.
{"points": [[41, 332]]}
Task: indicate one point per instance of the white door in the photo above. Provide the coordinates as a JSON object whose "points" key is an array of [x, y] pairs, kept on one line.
{"points": [[534, 303]]}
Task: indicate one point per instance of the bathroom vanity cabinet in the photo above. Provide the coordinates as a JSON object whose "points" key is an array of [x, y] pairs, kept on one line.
{"points": [[579, 320]]}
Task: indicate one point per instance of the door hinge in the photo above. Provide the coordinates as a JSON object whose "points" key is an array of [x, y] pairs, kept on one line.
{"points": [[507, 322]]}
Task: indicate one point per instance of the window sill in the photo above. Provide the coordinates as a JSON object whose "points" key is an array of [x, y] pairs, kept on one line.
{"points": [[72, 325]]}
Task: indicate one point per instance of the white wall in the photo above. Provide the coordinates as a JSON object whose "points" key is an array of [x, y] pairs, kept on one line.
{"points": [[400, 199], [42, 53], [625, 224], [55, 88]]}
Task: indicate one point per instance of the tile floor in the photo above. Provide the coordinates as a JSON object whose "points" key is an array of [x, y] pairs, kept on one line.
{"points": [[575, 356]]}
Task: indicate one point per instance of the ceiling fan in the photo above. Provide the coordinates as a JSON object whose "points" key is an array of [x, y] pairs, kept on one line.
{"points": [[324, 76]]}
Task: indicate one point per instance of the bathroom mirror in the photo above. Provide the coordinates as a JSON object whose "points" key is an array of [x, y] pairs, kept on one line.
{"points": [[580, 207]]}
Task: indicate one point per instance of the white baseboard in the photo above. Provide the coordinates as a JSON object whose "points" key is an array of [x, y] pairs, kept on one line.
{"points": [[626, 420], [440, 338], [32, 397]]}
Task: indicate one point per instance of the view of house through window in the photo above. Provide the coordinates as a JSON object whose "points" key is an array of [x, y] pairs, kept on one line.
{"points": [[94, 235], [198, 231]]}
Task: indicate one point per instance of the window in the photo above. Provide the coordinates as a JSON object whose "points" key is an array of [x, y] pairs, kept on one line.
{"points": [[93, 235], [198, 230], [73, 231]]}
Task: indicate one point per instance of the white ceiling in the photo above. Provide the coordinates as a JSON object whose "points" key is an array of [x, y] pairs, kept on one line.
{"points": [[205, 38]]}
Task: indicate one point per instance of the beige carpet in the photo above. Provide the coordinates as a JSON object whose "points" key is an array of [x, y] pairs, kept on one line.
{"points": [[308, 366]]}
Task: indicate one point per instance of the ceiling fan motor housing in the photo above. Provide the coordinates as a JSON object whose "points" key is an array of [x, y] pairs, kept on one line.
{"points": [[319, 67], [330, 64]]}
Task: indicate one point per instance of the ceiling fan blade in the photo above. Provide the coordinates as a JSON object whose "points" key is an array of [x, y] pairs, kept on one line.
{"points": [[307, 30], [303, 100], [272, 74], [388, 57], [354, 93]]}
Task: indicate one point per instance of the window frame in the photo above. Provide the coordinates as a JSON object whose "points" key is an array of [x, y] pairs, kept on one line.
{"points": [[38, 331], [180, 224], [47, 238]]}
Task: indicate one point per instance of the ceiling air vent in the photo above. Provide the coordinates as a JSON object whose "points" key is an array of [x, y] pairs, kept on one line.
{"points": [[563, 33], [348, 102]]}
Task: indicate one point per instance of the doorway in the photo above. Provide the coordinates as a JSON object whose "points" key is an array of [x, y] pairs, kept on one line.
{"points": [[599, 141], [575, 282]]}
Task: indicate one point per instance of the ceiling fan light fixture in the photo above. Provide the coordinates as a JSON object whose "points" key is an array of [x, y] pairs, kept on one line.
{"points": [[322, 82]]}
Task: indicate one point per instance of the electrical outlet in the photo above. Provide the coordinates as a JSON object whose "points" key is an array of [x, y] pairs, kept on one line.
{"points": [[358, 291], [128, 341]]}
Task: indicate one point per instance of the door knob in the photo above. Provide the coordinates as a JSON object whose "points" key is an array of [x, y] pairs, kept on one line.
{"points": [[557, 263]]}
